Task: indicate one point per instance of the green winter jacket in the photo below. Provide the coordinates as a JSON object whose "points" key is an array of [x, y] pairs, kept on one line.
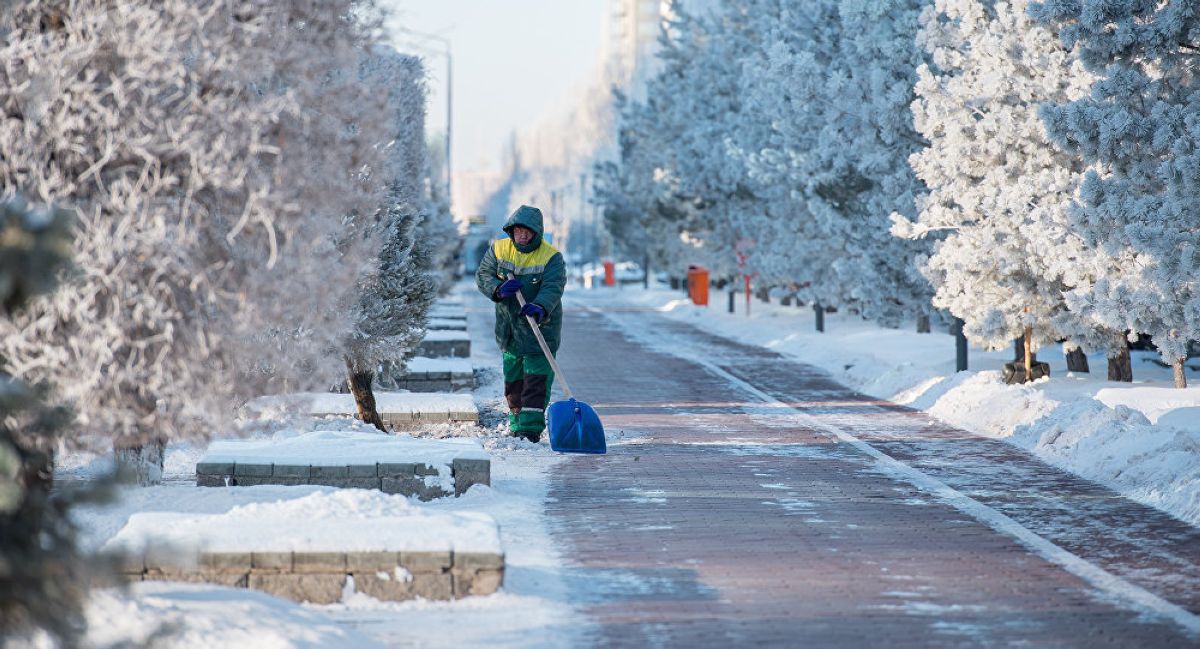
{"points": [[543, 275]]}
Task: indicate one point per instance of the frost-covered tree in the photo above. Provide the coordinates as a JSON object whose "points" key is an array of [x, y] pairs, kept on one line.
{"points": [[1137, 131], [680, 186], [833, 81], [211, 152], [394, 292], [995, 182]]}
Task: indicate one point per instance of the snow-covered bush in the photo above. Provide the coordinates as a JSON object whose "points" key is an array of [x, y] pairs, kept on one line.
{"points": [[1137, 131], [212, 152]]}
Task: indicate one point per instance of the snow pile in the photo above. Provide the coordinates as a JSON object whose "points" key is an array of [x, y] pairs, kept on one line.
{"points": [[385, 402], [421, 364], [446, 334], [1169, 406], [197, 616], [1141, 439], [345, 520], [343, 448]]}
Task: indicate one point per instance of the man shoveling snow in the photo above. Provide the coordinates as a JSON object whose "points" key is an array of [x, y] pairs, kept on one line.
{"points": [[540, 275]]}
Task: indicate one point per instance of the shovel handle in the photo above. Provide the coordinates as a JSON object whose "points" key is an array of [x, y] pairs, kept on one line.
{"points": [[542, 343]]}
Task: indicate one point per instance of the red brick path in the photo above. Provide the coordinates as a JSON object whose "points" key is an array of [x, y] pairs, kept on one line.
{"points": [[717, 523]]}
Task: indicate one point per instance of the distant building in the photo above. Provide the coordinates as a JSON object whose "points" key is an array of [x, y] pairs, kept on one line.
{"points": [[633, 38]]}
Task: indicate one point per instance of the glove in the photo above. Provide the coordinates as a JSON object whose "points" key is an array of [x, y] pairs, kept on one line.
{"points": [[509, 288], [534, 311]]}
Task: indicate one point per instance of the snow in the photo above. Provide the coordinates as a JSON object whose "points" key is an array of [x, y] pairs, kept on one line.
{"points": [[1140, 439], [333, 403], [453, 365], [1179, 406], [531, 609], [198, 616], [446, 334], [345, 520], [342, 448], [440, 321]]}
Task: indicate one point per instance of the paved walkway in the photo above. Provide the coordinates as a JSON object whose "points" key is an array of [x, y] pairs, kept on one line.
{"points": [[741, 509]]}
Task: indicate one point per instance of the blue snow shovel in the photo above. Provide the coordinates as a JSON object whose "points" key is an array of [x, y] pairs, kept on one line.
{"points": [[573, 425]]}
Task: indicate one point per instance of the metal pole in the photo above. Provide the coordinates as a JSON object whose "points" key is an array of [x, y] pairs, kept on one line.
{"points": [[449, 124], [582, 215]]}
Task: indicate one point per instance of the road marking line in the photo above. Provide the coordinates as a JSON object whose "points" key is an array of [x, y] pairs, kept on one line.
{"points": [[1133, 595]]}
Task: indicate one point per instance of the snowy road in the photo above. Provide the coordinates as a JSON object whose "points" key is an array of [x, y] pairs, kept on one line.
{"points": [[753, 500]]}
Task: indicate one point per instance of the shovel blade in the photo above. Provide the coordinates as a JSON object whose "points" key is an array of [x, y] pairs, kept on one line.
{"points": [[575, 428]]}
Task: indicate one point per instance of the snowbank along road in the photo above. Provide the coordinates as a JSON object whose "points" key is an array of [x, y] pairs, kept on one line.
{"points": [[749, 499]]}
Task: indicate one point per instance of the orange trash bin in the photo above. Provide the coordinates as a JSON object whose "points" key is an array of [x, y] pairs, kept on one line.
{"points": [[698, 285], [610, 273]]}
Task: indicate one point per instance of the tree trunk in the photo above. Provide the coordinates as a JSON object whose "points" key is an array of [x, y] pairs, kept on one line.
{"points": [[820, 317], [923, 324], [1028, 354], [1077, 361], [1180, 377], [960, 345], [143, 462], [364, 398], [1120, 367]]}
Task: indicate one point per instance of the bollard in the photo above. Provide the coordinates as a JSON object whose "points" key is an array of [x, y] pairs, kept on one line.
{"points": [[960, 345], [820, 311], [732, 293]]}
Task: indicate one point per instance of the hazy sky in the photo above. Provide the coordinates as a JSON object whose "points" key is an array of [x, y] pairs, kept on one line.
{"points": [[514, 60]]}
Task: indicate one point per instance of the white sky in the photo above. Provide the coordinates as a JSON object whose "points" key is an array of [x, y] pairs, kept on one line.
{"points": [[514, 60]]}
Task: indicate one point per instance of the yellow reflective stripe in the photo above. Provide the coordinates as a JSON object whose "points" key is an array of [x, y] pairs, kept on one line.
{"points": [[522, 263]]}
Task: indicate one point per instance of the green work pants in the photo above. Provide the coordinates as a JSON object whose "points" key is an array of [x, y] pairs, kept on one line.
{"points": [[527, 381]]}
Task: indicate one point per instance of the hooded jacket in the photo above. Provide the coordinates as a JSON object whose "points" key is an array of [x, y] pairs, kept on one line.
{"points": [[543, 275]]}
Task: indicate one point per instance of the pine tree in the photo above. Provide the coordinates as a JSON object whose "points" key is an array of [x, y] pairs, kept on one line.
{"points": [[1136, 130], [995, 182], [397, 288], [43, 574]]}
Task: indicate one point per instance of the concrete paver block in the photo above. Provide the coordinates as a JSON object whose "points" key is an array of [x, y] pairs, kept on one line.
{"points": [[225, 562], [432, 585], [425, 561], [205, 480], [393, 470], [313, 562], [425, 469], [312, 588], [323, 472], [478, 561], [229, 580], [362, 470], [271, 561], [477, 582], [357, 562], [253, 470], [291, 471], [384, 586], [215, 468]]}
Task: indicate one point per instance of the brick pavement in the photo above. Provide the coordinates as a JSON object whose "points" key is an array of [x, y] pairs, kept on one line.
{"points": [[719, 523]]}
